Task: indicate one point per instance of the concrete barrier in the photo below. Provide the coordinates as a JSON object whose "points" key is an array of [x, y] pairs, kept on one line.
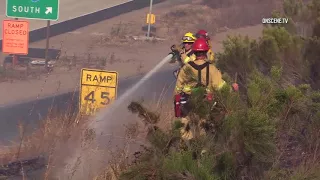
{"points": [[88, 19]]}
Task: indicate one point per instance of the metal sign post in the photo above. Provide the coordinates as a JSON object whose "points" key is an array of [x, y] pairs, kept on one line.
{"points": [[47, 45], [15, 58], [149, 24]]}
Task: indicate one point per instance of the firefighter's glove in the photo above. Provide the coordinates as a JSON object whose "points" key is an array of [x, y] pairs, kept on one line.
{"points": [[183, 55], [173, 48], [182, 52], [176, 48]]}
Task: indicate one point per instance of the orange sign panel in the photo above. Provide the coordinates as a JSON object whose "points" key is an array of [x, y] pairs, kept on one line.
{"points": [[15, 37]]}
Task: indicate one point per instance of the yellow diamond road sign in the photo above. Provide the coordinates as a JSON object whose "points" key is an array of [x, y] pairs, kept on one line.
{"points": [[98, 89]]}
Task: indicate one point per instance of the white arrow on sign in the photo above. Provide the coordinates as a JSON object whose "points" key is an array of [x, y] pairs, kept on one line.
{"points": [[49, 10]]}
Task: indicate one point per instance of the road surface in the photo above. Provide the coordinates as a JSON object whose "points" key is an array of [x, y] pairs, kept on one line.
{"points": [[77, 43], [11, 115], [69, 9]]}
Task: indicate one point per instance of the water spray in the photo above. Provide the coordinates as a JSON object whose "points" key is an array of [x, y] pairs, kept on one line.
{"points": [[101, 115], [104, 116]]}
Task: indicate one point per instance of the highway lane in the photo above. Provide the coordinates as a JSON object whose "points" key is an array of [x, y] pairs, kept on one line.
{"points": [[69, 9], [11, 115], [75, 14], [77, 44]]}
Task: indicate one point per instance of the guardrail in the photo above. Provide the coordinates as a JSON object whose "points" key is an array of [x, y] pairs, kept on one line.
{"points": [[88, 19]]}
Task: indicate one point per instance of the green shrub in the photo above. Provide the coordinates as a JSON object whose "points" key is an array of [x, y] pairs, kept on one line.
{"points": [[268, 131]]}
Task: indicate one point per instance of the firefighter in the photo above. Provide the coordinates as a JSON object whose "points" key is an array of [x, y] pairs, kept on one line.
{"points": [[187, 54], [207, 75], [184, 54], [204, 34]]}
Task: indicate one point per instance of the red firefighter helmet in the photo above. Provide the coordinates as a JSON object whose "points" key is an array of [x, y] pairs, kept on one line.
{"points": [[203, 33], [200, 45]]}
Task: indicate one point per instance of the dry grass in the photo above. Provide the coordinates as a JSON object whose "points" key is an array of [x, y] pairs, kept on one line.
{"points": [[21, 72], [214, 16], [47, 149], [64, 64], [44, 143], [121, 159], [87, 60]]}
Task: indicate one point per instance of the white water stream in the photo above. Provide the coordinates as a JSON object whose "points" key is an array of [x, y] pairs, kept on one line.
{"points": [[108, 126]]}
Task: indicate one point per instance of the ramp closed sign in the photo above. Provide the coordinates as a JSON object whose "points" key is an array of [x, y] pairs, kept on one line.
{"points": [[98, 89], [15, 37]]}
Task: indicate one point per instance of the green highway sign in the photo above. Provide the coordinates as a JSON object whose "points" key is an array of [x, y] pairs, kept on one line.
{"points": [[33, 9]]}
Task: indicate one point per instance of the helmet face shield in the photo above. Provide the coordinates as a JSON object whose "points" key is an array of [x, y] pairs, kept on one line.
{"points": [[188, 39]]}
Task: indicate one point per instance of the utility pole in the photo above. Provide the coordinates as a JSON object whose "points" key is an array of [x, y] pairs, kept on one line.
{"points": [[149, 17]]}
